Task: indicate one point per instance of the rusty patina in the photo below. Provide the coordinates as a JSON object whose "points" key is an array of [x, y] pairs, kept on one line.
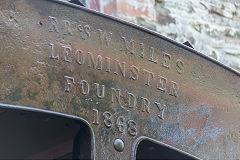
{"points": [[60, 57]]}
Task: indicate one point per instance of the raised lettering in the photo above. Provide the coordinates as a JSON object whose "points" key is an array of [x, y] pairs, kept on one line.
{"points": [[107, 119], [52, 51], [127, 48], [132, 101], [145, 105], [166, 59], [149, 75], [66, 52], [84, 31], [161, 109], [116, 94], [132, 128], [108, 64], [180, 66], [134, 72], [104, 37], [84, 87], [161, 83], [98, 90], [120, 67], [69, 83], [67, 27], [174, 89], [141, 50], [151, 50], [95, 117], [120, 124], [87, 30], [94, 64], [53, 24], [80, 57]]}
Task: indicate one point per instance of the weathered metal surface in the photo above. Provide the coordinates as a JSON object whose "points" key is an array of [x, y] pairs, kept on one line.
{"points": [[60, 57]]}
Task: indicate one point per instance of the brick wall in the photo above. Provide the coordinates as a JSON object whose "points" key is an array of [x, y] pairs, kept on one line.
{"points": [[212, 27]]}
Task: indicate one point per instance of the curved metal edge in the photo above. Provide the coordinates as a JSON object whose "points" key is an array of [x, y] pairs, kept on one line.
{"points": [[10, 106], [150, 32], [141, 138]]}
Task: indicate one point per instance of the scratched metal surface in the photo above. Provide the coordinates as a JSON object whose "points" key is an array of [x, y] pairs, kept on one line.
{"points": [[60, 57]]}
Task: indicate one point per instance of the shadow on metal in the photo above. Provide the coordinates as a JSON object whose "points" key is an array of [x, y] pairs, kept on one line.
{"points": [[37, 135], [149, 150]]}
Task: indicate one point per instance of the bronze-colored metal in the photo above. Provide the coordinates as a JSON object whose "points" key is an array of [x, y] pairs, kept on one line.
{"points": [[59, 57]]}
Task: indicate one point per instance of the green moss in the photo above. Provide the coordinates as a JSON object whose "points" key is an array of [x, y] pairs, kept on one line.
{"points": [[33, 96], [75, 106], [56, 77], [214, 55], [105, 132], [16, 96], [48, 104], [37, 80], [238, 69]]}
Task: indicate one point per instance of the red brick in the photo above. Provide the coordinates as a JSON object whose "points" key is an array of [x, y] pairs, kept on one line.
{"points": [[136, 10], [94, 4], [110, 8]]}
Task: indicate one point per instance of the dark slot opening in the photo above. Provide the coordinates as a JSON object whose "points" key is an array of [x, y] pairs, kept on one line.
{"points": [[150, 150], [35, 135]]}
